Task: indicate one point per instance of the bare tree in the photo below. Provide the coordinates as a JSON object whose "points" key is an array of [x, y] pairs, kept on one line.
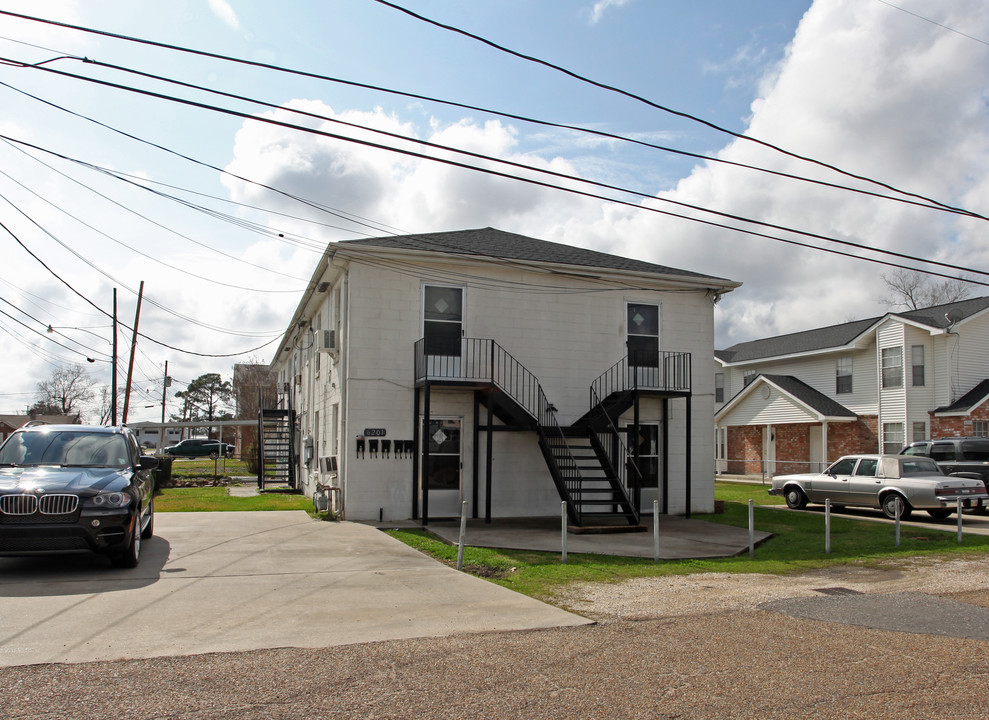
{"points": [[914, 290], [68, 388]]}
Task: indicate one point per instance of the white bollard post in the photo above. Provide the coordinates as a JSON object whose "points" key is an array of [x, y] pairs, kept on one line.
{"points": [[655, 530], [563, 530], [958, 511], [751, 528], [827, 526], [463, 532], [896, 504]]}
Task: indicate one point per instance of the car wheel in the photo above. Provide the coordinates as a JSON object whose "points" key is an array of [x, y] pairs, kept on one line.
{"points": [[130, 557], [939, 513], [149, 530], [889, 506], [795, 498]]}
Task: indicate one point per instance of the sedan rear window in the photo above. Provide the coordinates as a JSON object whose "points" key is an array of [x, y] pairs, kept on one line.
{"points": [[919, 466], [80, 449]]}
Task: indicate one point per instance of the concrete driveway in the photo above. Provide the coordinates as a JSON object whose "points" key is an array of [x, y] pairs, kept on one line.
{"points": [[216, 582]]}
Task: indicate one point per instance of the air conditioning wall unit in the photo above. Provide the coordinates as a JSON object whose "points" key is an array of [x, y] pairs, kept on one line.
{"points": [[328, 464], [326, 341]]}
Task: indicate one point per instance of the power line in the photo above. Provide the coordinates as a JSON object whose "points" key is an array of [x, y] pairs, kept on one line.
{"points": [[453, 163], [678, 113], [318, 76], [933, 22], [122, 324]]}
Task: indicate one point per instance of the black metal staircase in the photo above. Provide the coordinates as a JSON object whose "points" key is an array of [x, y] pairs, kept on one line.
{"points": [[587, 461], [276, 451]]}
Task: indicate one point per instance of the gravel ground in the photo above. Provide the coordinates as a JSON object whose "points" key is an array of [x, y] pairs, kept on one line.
{"points": [[699, 646]]}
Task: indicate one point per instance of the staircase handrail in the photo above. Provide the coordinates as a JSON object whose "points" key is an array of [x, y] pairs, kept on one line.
{"points": [[485, 360], [672, 373], [618, 463]]}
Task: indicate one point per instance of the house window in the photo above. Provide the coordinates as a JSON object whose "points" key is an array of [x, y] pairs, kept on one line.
{"points": [[892, 358], [315, 335], [748, 376], [643, 335], [980, 428], [843, 375], [719, 387], [917, 363], [919, 431], [892, 438], [442, 319]]}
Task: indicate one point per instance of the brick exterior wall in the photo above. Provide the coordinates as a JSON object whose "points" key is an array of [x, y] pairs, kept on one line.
{"points": [[745, 450], [793, 445], [958, 426], [861, 436], [792, 448]]}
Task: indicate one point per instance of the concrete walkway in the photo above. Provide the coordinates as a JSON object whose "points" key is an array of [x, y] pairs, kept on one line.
{"points": [[219, 582]]}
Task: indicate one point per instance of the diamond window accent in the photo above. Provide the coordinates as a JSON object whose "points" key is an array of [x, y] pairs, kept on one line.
{"points": [[638, 319], [441, 305], [439, 437]]}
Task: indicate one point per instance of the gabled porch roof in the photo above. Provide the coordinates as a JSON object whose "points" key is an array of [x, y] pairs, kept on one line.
{"points": [[811, 404]]}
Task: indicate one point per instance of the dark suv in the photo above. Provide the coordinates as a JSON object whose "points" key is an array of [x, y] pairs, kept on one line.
{"points": [[966, 456], [75, 488]]}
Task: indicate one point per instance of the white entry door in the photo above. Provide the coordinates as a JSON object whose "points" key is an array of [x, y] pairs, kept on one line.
{"points": [[443, 474]]}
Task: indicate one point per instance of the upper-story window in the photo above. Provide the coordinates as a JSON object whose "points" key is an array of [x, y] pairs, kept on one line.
{"points": [[917, 364], [719, 387], [892, 361], [748, 376], [843, 375]]}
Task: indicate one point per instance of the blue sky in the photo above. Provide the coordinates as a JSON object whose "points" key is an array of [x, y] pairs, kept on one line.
{"points": [[863, 84]]}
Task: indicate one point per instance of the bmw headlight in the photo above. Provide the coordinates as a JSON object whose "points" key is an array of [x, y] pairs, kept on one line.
{"points": [[110, 500]]}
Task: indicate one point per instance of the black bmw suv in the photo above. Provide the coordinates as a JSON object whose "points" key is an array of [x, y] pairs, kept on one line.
{"points": [[75, 488]]}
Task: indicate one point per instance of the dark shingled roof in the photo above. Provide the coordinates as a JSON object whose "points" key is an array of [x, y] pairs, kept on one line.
{"points": [[969, 400], [501, 245], [836, 336], [809, 396]]}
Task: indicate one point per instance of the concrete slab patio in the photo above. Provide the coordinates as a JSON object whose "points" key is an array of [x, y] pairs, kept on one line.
{"points": [[215, 582], [679, 538]]}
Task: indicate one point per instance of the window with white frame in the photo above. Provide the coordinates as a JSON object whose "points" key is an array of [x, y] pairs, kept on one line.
{"points": [[917, 365], [892, 362], [719, 387], [334, 428], [748, 376], [843, 375], [980, 428], [919, 431], [892, 438]]}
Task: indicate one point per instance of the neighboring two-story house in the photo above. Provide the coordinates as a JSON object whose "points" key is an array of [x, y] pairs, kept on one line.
{"points": [[422, 371], [795, 402]]}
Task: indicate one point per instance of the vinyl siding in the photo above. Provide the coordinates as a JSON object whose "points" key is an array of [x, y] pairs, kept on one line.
{"points": [[565, 339]]}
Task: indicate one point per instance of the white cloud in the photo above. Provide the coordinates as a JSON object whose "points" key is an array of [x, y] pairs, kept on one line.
{"points": [[879, 93], [602, 6], [222, 10]]}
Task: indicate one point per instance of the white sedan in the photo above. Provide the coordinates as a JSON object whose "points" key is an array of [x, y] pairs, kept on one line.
{"points": [[877, 481]]}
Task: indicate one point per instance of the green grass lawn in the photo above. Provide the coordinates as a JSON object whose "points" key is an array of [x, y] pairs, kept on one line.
{"points": [[204, 467], [798, 544], [217, 499]]}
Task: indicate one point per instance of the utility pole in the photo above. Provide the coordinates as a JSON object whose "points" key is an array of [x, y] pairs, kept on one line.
{"points": [[113, 373], [133, 349], [164, 393]]}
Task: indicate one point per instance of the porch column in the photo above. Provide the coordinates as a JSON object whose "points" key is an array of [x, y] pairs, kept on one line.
{"points": [[666, 455], [415, 454], [687, 454], [488, 464], [425, 458], [824, 443], [474, 458]]}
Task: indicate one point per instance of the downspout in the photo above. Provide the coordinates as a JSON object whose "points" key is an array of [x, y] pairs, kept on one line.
{"points": [[343, 375]]}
